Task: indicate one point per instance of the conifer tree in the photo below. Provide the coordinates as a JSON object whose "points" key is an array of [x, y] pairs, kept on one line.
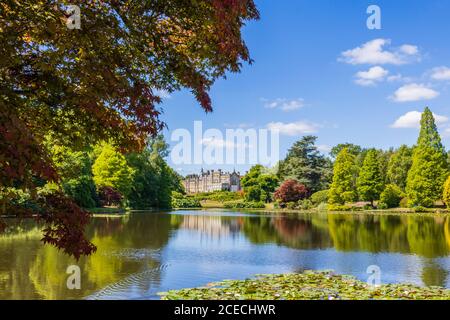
{"points": [[429, 165], [370, 180], [342, 188], [399, 165]]}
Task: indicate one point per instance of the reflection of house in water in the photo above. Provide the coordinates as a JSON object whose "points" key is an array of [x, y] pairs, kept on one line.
{"points": [[215, 227]]}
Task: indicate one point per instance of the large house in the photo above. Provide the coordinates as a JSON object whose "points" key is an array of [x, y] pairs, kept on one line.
{"points": [[208, 181]]}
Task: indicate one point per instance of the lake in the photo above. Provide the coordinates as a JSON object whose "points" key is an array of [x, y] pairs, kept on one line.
{"points": [[142, 253]]}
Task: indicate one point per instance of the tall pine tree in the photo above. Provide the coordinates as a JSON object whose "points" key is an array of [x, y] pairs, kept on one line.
{"points": [[344, 173], [370, 180], [429, 167]]}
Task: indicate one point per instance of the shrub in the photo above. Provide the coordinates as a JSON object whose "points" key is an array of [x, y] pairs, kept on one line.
{"points": [[391, 196], [446, 193], [244, 205], [382, 206], [319, 197], [404, 202], [291, 205], [253, 193], [332, 207], [182, 201], [291, 191], [109, 196], [322, 207], [305, 204], [420, 209]]}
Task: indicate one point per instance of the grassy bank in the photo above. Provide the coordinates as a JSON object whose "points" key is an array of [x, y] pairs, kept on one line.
{"points": [[310, 285]]}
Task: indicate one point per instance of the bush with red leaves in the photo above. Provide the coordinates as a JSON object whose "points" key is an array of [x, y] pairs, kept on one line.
{"points": [[109, 196], [291, 191]]}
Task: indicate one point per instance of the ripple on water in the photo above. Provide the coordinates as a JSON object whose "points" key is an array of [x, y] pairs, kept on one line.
{"points": [[134, 286]]}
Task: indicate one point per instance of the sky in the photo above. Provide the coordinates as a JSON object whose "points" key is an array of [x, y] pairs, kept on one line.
{"points": [[318, 69]]}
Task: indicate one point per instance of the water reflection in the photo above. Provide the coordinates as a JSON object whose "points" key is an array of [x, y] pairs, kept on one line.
{"points": [[142, 253]]}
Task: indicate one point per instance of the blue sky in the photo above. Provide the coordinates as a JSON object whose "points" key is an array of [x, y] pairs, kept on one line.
{"points": [[319, 70]]}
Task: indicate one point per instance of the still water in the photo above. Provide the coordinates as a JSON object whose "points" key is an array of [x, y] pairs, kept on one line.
{"points": [[140, 254]]}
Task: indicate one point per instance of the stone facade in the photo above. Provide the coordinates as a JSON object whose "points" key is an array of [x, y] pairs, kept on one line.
{"points": [[211, 180]]}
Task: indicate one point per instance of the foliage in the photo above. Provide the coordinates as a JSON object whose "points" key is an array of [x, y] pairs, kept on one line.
{"points": [[370, 182], [239, 204], [429, 167], [153, 180], [320, 197], [351, 148], [291, 191], [259, 185], [446, 193], [308, 285], [109, 196], [221, 196], [305, 164], [101, 81], [182, 201], [343, 187], [404, 202], [391, 196], [111, 169], [399, 165]]}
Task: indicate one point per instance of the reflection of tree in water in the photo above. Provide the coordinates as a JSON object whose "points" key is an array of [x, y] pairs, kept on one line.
{"points": [[434, 275], [126, 245], [300, 233]]}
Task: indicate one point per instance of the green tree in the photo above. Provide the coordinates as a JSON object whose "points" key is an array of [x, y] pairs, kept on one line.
{"points": [[111, 169], [307, 165], [259, 184], [343, 187], [399, 165], [370, 180], [429, 167], [75, 171], [446, 193], [391, 196], [351, 148]]}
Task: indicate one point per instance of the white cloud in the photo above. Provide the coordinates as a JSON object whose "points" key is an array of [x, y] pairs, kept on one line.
{"points": [[371, 76], [373, 52], [324, 148], [412, 120], [293, 128], [441, 73], [414, 92], [284, 104], [398, 78], [409, 49]]}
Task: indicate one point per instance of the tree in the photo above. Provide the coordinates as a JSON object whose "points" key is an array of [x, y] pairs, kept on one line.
{"points": [[305, 164], [446, 193], [75, 171], [429, 167], [343, 187], [370, 181], [101, 81], [399, 165], [391, 196], [351, 148], [291, 191], [111, 169], [259, 185]]}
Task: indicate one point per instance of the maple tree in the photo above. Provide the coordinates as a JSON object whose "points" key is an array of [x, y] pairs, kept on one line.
{"points": [[291, 191], [101, 82]]}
